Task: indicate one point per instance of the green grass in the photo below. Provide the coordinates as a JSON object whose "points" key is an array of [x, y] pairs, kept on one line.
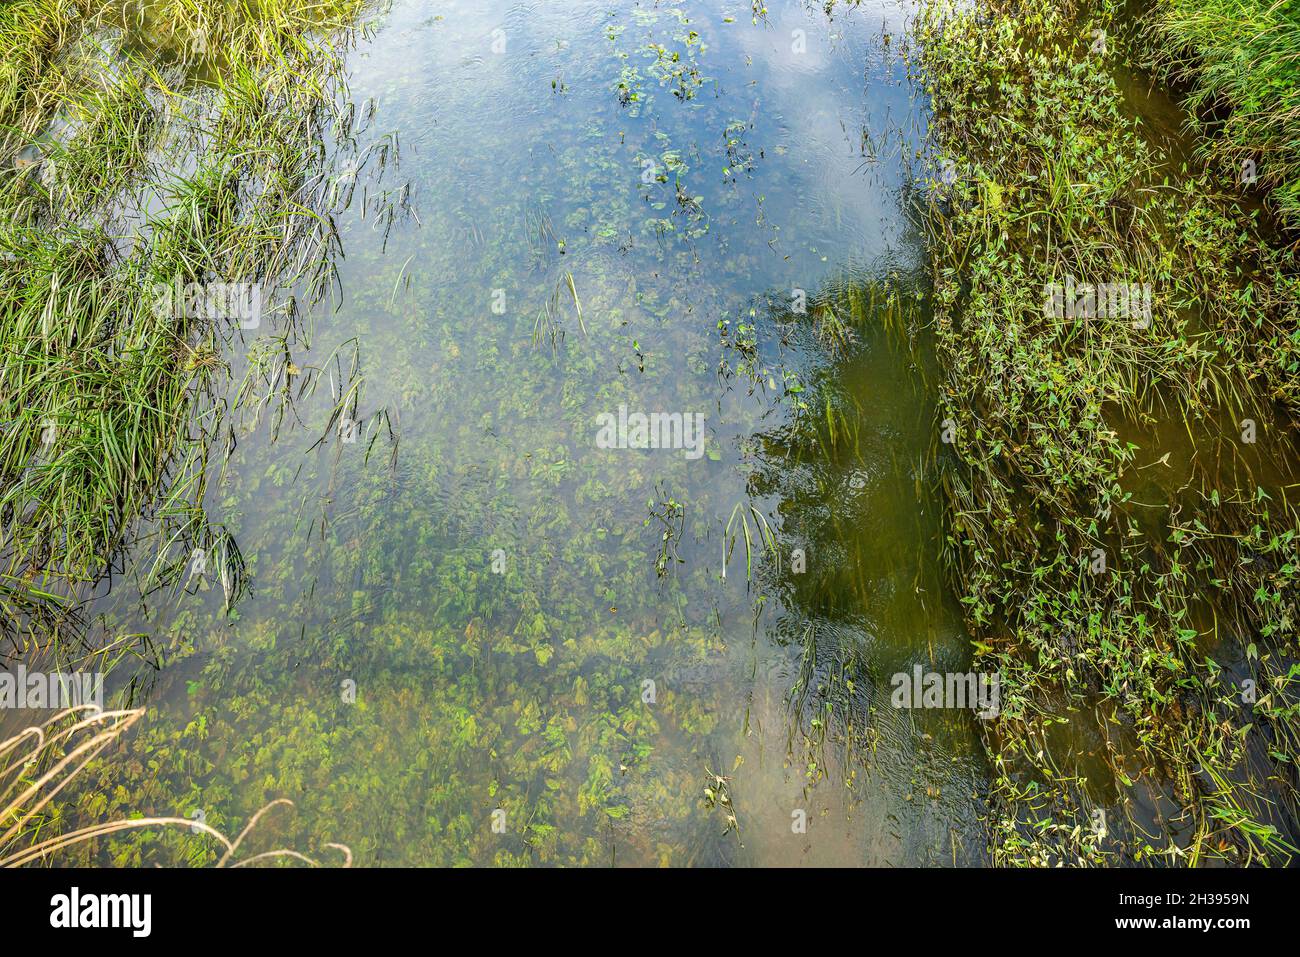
{"points": [[127, 161], [1240, 63], [1062, 433]]}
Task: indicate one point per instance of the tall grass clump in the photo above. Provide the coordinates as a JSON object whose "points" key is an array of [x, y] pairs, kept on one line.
{"points": [[146, 146], [1239, 61], [1127, 560]]}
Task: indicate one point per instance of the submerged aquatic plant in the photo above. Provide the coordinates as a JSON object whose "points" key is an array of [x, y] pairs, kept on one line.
{"points": [[761, 539], [60, 749], [717, 794], [1108, 596]]}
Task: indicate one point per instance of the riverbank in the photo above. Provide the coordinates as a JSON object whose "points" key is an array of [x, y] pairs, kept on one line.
{"points": [[168, 173], [1120, 477]]}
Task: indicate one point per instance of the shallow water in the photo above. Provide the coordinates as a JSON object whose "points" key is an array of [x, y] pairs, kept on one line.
{"points": [[487, 582], [474, 633]]}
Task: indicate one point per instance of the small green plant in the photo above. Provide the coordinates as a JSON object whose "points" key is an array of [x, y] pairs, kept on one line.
{"points": [[717, 796]]}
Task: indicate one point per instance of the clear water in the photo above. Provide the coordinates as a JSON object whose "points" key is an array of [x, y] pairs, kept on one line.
{"points": [[563, 680]]}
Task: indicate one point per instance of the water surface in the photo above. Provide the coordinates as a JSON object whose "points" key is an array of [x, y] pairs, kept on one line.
{"points": [[473, 614]]}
